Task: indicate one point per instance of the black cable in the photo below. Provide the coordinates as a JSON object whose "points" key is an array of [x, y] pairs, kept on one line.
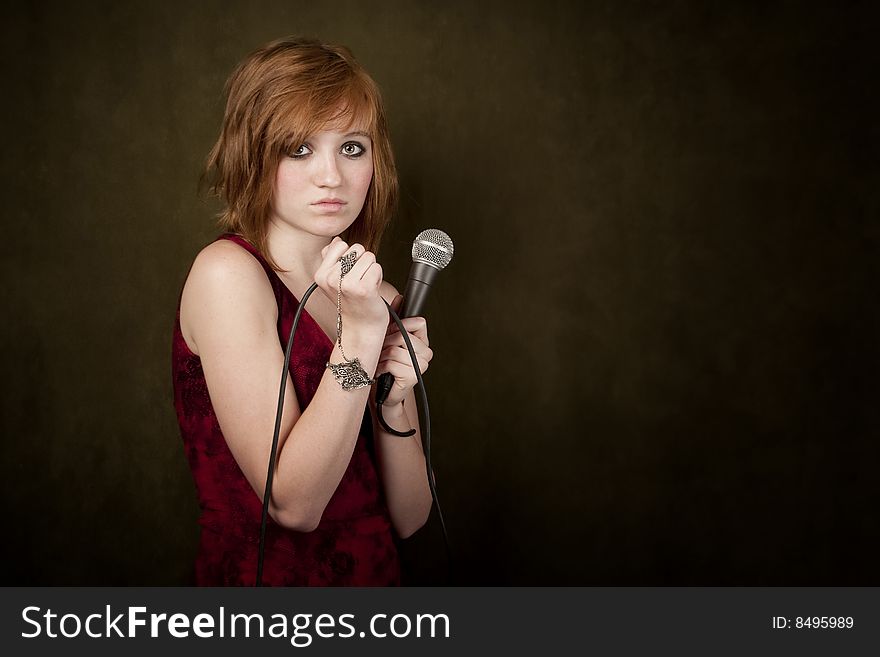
{"points": [[427, 432], [270, 475], [391, 430], [426, 448], [383, 387]]}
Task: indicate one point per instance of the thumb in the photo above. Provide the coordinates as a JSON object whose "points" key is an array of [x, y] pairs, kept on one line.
{"points": [[397, 302]]}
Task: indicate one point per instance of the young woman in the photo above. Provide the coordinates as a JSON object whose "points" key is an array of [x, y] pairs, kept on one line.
{"points": [[304, 166]]}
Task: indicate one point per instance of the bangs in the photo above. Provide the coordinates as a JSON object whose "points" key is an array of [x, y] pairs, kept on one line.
{"points": [[348, 105]]}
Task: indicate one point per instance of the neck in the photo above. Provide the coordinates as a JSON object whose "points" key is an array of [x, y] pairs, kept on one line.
{"points": [[296, 251]]}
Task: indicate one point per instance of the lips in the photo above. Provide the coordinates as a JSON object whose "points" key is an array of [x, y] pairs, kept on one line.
{"points": [[329, 205]]}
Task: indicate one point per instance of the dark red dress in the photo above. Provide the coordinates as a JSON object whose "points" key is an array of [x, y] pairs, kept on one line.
{"points": [[352, 546]]}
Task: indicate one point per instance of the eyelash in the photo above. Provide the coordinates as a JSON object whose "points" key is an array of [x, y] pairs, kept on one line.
{"points": [[352, 156]]}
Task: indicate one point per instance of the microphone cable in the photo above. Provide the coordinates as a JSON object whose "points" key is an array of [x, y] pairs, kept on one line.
{"points": [[426, 448]]}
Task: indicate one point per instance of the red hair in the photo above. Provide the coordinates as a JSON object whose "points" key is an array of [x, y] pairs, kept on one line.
{"points": [[277, 97]]}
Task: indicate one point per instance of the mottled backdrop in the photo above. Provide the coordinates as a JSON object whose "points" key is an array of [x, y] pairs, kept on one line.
{"points": [[656, 348]]}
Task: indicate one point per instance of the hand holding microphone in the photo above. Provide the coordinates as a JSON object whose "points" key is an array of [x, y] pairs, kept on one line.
{"points": [[395, 359], [432, 251]]}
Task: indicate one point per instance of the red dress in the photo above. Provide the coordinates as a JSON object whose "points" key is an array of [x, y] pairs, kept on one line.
{"points": [[353, 544]]}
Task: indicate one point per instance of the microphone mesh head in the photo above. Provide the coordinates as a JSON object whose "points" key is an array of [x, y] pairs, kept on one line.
{"points": [[433, 247]]}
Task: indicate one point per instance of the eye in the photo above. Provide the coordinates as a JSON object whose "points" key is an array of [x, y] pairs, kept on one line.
{"points": [[353, 149], [299, 152]]}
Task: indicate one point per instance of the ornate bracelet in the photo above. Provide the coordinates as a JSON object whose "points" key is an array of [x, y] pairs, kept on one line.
{"points": [[350, 373]]}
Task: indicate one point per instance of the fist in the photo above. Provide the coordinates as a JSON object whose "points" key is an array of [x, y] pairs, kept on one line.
{"points": [[362, 306]]}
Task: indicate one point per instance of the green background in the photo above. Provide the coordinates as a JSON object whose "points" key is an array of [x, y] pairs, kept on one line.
{"points": [[655, 349]]}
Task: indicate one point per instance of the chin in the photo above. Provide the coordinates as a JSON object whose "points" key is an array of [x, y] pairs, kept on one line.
{"points": [[333, 226], [327, 231]]}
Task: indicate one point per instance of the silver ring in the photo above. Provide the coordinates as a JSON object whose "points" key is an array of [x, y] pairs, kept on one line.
{"points": [[348, 261]]}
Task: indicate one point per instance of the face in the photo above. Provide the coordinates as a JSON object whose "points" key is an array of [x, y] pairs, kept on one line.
{"points": [[320, 187]]}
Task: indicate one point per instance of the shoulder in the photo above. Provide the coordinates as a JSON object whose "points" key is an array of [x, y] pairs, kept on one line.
{"points": [[224, 261], [225, 284], [226, 269]]}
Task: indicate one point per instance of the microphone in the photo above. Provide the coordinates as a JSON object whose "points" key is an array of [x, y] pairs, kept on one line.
{"points": [[432, 250]]}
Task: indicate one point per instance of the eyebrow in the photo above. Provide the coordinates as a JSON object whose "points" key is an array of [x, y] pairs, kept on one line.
{"points": [[358, 133]]}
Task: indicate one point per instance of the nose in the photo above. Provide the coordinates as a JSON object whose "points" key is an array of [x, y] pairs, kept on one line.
{"points": [[327, 171]]}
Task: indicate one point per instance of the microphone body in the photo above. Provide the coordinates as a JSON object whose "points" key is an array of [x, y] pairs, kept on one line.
{"points": [[421, 278], [431, 252]]}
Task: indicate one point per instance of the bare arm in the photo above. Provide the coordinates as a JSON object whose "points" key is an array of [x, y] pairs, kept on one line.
{"points": [[402, 467], [402, 460], [229, 310]]}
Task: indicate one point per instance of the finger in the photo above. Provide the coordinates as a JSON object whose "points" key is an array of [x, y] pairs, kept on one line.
{"points": [[332, 265], [401, 356], [366, 287], [401, 353], [365, 259], [356, 249], [332, 253], [336, 249], [404, 377], [406, 367], [417, 326], [372, 278], [333, 241], [419, 346]]}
